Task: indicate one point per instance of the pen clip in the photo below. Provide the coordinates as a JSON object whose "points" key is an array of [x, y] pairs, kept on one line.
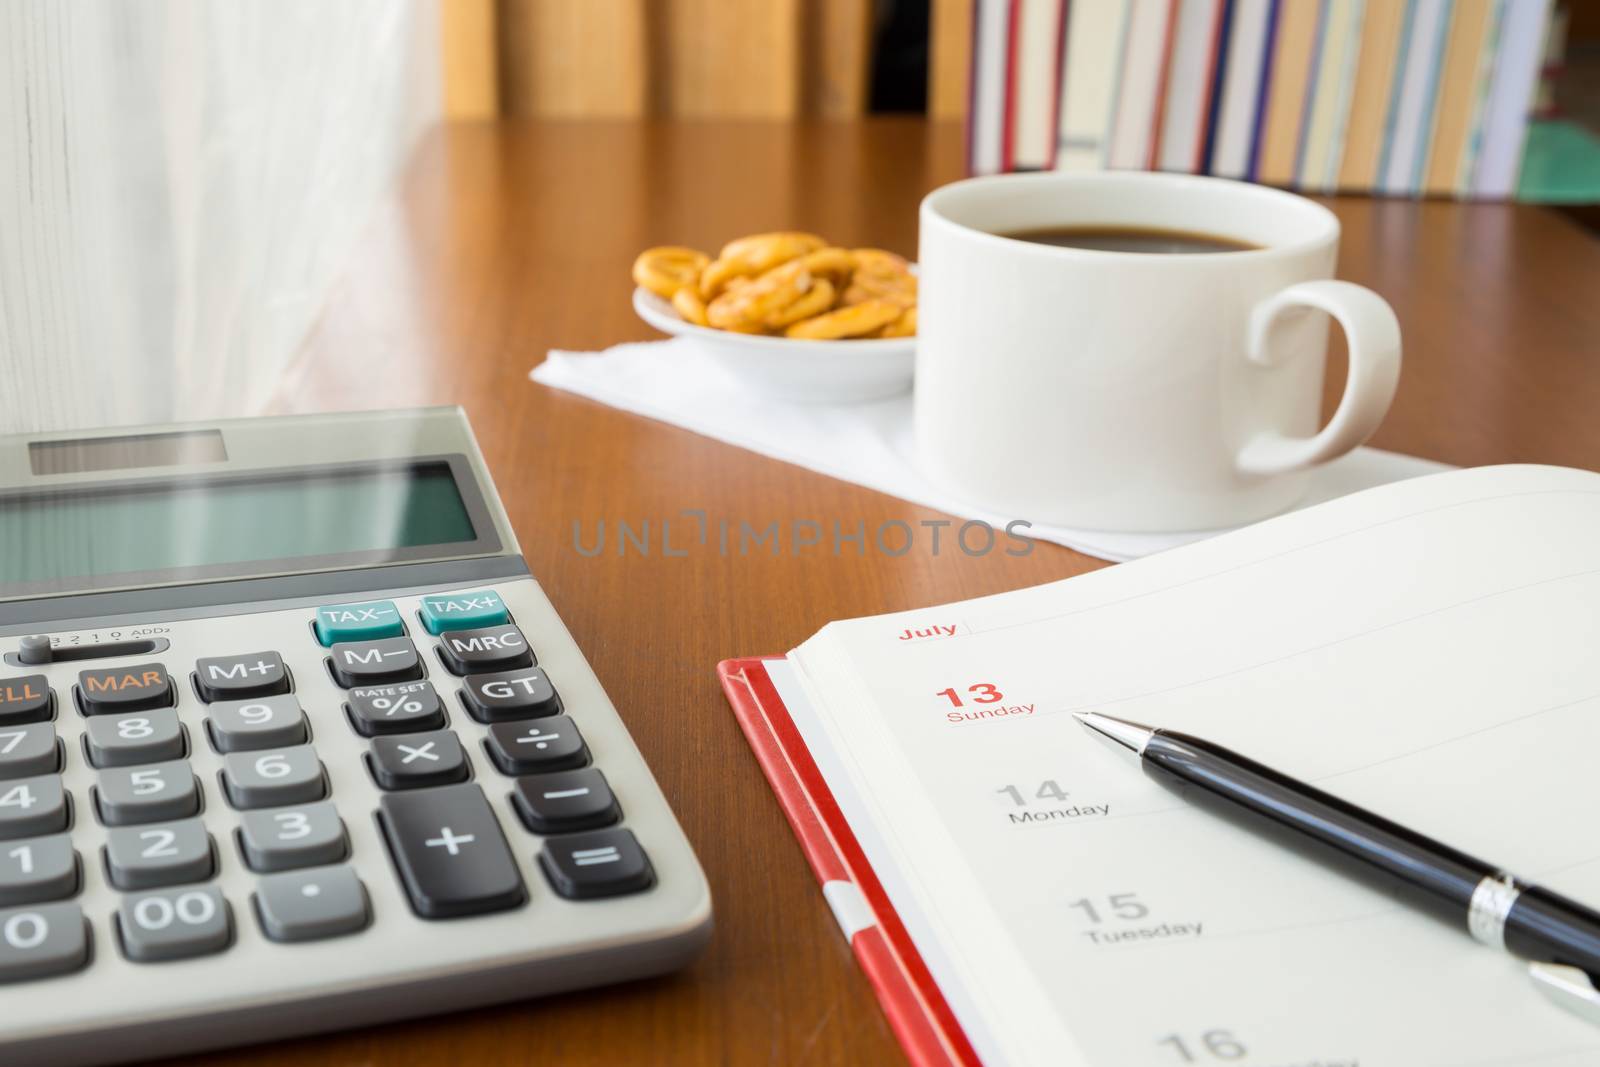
{"points": [[1569, 987]]}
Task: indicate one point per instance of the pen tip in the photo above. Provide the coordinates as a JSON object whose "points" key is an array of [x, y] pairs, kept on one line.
{"points": [[1129, 735]]}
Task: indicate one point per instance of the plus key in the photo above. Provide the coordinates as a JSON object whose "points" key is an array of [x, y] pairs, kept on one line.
{"points": [[449, 851]]}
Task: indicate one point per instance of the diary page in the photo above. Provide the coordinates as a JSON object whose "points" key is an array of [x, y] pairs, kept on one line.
{"points": [[1427, 650]]}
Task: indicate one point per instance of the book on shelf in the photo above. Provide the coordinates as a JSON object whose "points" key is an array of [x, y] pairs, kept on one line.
{"points": [[1398, 97]]}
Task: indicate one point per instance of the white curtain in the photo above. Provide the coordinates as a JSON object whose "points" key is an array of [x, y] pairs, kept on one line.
{"points": [[181, 181]]}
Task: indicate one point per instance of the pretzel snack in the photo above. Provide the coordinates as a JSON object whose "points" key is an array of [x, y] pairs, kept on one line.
{"points": [[786, 283]]}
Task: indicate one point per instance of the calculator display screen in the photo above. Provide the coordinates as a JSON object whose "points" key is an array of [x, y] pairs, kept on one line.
{"points": [[227, 526]]}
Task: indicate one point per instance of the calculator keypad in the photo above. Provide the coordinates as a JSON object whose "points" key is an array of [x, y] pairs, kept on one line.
{"points": [[448, 845], [126, 740], [157, 792], [38, 868], [170, 924], [29, 749]]}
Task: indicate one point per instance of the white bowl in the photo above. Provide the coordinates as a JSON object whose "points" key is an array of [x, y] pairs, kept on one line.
{"points": [[811, 372]]}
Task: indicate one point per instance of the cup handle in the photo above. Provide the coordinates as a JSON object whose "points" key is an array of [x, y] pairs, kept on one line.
{"points": [[1372, 335]]}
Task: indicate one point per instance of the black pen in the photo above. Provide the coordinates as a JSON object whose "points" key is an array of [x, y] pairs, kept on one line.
{"points": [[1561, 937]]}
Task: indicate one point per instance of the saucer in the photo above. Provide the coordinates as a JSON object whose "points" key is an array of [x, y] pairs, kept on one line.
{"points": [[786, 368]]}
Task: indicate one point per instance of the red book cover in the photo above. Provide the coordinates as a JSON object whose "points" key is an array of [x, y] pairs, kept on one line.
{"points": [[916, 1009], [1154, 151], [1008, 128]]}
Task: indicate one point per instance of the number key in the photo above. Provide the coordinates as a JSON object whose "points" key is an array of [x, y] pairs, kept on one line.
{"points": [[245, 725], [29, 750], [38, 868], [273, 779], [306, 836], [42, 940], [157, 793], [32, 806], [144, 857], [125, 740], [169, 924]]}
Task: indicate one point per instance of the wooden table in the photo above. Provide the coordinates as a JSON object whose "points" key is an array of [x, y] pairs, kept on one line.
{"points": [[514, 239]]}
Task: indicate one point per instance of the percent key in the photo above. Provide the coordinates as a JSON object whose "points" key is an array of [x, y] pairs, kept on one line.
{"points": [[403, 708]]}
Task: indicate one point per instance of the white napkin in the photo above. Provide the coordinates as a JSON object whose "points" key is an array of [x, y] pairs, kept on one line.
{"points": [[869, 444]]}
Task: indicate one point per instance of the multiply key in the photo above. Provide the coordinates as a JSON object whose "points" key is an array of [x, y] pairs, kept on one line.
{"points": [[524, 694], [25, 699], [117, 689], [450, 852]]}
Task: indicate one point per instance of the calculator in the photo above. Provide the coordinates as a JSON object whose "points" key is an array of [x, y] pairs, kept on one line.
{"points": [[290, 740]]}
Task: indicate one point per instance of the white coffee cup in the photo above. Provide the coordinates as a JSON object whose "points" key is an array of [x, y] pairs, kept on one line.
{"points": [[1137, 390]]}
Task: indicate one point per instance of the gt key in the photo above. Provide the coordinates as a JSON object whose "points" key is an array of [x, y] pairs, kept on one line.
{"points": [[524, 694]]}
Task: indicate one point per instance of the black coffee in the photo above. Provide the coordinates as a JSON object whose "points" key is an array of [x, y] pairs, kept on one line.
{"points": [[1130, 239]]}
